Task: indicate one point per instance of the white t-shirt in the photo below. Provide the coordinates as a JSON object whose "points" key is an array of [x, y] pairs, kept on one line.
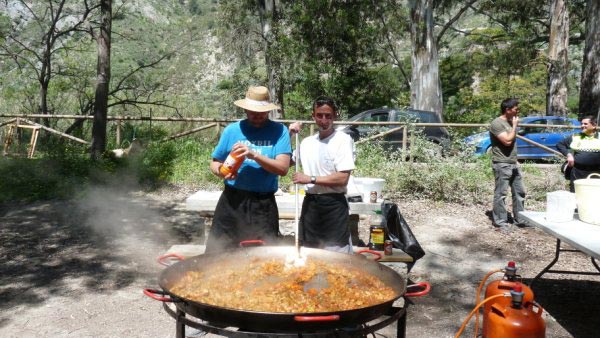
{"points": [[323, 157]]}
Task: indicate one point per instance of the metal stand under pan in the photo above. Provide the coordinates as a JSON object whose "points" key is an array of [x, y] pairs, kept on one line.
{"points": [[395, 314]]}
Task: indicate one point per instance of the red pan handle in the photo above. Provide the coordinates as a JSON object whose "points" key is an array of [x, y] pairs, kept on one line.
{"points": [[377, 254], [317, 318], [167, 259], [250, 242], [153, 293], [426, 287]]}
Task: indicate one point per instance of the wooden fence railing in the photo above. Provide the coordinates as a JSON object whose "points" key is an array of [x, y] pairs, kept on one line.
{"points": [[17, 120]]}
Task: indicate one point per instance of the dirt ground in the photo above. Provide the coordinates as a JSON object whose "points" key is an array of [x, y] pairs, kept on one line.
{"points": [[77, 268]]}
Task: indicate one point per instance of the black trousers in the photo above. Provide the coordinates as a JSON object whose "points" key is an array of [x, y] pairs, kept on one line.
{"points": [[243, 215], [324, 220]]}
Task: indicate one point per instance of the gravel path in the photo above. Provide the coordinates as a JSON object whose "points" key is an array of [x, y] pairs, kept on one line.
{"points": [[77, 268]]}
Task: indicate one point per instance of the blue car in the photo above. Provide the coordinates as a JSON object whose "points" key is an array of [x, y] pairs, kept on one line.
{"points": [[545, 136]]}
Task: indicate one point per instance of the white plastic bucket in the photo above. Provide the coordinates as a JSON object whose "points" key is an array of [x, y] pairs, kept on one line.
{"points": [[560, 206], [587, 193], [368, 184], [354, 186]]}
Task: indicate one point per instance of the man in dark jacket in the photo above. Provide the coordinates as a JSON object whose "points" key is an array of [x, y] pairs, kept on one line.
{"points": [[582, 150]]}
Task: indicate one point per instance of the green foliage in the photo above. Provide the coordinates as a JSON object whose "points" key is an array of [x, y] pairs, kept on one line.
{"points": [[64, 170], [155, 165], [61, 174], [456, 72], [190, 167], [483, 105], [439, 178]]}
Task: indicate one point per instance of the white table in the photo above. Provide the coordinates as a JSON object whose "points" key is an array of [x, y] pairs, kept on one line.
{"points": [[584, 237], [206, 201]]}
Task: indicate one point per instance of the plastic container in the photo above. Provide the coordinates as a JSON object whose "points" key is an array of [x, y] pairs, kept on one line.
{"points": [[560, 206], [367, 185], [232, 163], [587, 193], [377, 231], [354, 186]]}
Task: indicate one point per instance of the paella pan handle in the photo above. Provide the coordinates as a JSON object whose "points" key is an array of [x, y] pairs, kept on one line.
{"points": [[168, 259], [425, 286], [377, 254], [330, 318], [154, 294], [251, 242]]}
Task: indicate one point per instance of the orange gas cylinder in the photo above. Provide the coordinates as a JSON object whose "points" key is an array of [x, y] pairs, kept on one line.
{"points": [[517, 320], [502, 286]]}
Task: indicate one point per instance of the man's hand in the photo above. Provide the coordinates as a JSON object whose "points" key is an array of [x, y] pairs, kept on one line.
{"points": [[515, 121], [570, 159], [215, 168], [244, 150], [294, 128], [300, 178]]}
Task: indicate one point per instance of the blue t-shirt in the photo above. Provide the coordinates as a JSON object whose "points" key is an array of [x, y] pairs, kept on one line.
{"points": [[270, 140]]}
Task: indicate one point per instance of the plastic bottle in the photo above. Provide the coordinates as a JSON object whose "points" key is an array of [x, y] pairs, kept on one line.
{"points": [[232, 163], [376, 231]]}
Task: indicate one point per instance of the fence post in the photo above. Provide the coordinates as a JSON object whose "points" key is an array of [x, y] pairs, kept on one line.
{"points": [[412, 141], [118, 133], [404, 141]]}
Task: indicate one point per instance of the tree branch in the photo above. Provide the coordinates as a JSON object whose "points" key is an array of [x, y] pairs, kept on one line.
{"points": [[454, 19]]}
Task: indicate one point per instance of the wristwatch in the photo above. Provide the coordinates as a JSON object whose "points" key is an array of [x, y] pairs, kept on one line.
{"points": [[313, 179]]}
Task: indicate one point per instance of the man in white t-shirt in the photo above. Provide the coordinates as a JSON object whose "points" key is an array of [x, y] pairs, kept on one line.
{"points": [[327, 160]]}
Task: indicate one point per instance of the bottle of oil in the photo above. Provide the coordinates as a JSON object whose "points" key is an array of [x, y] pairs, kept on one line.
{"points": [[376, 231], [232, 163]]}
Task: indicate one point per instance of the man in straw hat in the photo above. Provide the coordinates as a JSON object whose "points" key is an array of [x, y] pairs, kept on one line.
{"points": [[247, 209]]}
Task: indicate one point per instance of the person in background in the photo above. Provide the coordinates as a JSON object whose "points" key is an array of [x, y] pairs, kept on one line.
{"points": [[327, 160], [503, 135], [247, 209], [582, 151]]}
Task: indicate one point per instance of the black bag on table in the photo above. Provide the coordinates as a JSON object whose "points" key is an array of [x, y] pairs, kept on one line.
{"points": [[399, 233]]}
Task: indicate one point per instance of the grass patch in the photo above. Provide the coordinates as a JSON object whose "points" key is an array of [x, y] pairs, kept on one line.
{"points": [[62, 171]]}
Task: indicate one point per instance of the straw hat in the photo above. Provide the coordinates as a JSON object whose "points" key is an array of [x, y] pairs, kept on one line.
{"points": [[257, 99]]}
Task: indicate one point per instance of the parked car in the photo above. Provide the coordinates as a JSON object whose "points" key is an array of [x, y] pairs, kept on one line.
{"points": [[393, 140], [545, 136]]}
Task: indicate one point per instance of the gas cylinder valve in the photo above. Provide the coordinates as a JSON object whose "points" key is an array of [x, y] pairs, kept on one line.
{"points": [[510, 271], [517, 295]]}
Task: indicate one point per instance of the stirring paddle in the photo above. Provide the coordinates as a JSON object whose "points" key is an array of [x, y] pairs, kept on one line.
{"points": [[298, 260]]}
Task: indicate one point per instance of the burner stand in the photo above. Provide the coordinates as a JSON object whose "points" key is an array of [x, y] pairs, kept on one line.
{"points": [[397, 314]]}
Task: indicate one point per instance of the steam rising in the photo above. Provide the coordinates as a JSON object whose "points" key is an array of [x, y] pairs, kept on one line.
{"points": [[123, 215]]}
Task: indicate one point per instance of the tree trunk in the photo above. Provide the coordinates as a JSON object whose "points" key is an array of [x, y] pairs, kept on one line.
{"points": [[589, 94], [425, 89], [267, 10], [103, 80], [44, 79], [43, 103], [558, 63]]}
